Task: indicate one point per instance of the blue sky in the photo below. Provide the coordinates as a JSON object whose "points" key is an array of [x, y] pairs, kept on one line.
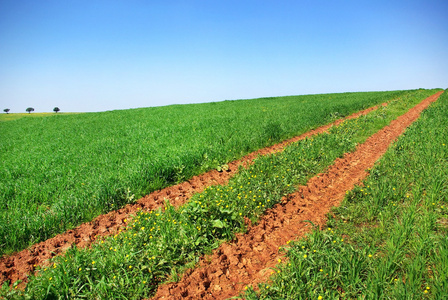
{"points": [[103, 55]]}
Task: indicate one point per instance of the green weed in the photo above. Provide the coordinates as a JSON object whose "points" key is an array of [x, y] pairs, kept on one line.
{"points": [[160, 243]]}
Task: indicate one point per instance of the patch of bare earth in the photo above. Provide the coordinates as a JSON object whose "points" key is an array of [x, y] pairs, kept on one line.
{"points": [[250, 257], [17, 266]]}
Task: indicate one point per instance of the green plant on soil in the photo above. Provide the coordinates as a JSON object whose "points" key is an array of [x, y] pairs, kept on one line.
{"points": [[160, 243], [58, 171], [388, 239]]}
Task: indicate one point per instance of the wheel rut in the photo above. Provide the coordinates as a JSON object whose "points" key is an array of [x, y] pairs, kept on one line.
{"points": [[18, 265], [250, 258]]}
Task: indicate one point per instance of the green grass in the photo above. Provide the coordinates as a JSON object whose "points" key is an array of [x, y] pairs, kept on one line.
{"points": [[57, 172], [161, 243], [388, 239], [14, 116]]}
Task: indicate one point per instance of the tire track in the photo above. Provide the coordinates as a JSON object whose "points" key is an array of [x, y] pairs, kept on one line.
{"points": [[250, 257]]}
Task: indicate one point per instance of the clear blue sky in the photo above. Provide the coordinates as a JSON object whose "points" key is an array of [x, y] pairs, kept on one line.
{"points": [[101, 55]]}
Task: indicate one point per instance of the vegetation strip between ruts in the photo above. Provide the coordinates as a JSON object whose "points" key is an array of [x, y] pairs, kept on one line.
{"points": [[388, 238], [21, 264], [156, 244], [62, 170]]}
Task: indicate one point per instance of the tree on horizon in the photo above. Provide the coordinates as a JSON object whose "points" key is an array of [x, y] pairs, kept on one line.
{"points": [[29, 109], [6, 110], [56, 109]]}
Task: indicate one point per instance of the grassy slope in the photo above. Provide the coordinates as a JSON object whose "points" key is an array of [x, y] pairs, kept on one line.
{"points": [[157, 244], [57, 172], [388, 239]]}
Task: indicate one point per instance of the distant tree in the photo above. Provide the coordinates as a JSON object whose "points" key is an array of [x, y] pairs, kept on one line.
{"points": [[56, 109], [6, 110], [29, 109]]}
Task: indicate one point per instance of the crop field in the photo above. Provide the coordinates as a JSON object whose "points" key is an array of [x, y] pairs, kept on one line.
{"points": [[60, 170], [387, 240], [15, 116]]}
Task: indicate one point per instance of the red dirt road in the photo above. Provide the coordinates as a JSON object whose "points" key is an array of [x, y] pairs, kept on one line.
{"points": [[249, 258], [17, 266]]}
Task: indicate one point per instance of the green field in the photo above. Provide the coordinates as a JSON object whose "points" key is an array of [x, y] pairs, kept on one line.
{"points": [[388, 239], [59, 170], [162, 243], [15, 116]]}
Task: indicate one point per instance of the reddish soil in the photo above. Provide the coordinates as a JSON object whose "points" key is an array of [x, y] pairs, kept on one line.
{"points": [[250, 257], [17, 266]]}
